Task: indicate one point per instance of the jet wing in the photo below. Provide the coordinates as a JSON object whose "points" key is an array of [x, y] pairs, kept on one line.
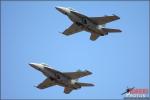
{"points": [[74, 28], [94, 36], [46, 83], [75, 75], [105, 19]]}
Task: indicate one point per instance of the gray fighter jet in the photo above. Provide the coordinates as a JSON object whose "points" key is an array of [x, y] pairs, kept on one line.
{"points": [[69, 80], [94, 25]]}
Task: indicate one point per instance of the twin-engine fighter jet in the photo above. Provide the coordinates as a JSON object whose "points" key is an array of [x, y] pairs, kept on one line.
{"points": [[66, 79], [94, 25]]}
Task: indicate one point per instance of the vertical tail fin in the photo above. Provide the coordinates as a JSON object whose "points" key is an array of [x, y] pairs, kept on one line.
{"points": [[67, 90]]}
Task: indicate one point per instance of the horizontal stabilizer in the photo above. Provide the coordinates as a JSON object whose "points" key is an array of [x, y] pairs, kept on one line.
{"points": [[111, 30], [85, 84]]}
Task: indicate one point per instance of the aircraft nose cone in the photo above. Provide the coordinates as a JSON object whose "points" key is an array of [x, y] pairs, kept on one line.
{"points": [[36, 66], [58, 8], [31, 64], [62, 10]]}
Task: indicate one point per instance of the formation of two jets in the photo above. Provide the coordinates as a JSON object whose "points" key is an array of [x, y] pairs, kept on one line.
{"points": [[69, 80]]}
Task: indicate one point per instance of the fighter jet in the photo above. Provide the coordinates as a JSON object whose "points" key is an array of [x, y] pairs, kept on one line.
{"points": [[128, 90], [94, 25], [68, 80]]}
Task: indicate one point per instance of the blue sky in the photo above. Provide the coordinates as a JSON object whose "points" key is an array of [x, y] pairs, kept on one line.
{"points": [[30, 33]]}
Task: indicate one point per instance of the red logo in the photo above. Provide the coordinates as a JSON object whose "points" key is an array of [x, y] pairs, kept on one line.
{"points": [[136, 92]]}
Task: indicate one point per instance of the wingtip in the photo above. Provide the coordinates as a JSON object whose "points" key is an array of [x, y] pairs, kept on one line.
{"points": [[88, 72], [120, 30], [92, 85], [93, 40], [116, 16], [60, 32], [35, 86]]}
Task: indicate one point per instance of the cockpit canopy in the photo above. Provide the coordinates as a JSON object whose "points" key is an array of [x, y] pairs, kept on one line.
{"points": [[44, 64], [71, 9]]}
